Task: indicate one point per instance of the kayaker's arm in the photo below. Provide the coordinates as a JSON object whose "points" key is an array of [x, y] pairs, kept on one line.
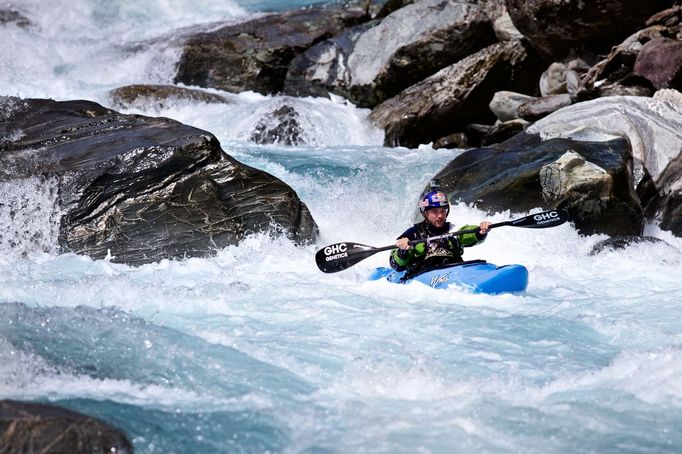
{"points": [[478, 236]]}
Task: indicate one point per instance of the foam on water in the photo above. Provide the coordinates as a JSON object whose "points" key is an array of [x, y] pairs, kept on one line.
{"points": [[255, 350]]}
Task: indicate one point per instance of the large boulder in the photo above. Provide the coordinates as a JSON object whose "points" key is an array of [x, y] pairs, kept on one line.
{"points": [[375, 62], [557, 27], [255, 55], [592, 180], [653, 128], [457, 95], [27, 427], [141, 188]]}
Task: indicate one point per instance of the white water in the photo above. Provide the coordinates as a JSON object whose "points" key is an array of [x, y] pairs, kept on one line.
{"points": [[255, 350]]}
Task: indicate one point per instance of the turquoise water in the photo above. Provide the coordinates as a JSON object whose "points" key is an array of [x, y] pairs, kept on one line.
{"points": [[255, 350]]}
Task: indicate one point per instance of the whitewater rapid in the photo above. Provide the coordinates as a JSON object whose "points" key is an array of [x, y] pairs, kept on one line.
{"points": [[255, 350]]}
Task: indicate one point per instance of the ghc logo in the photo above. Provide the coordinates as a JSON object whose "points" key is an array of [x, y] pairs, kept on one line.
{"points": [[546, 216], [335, 249]]}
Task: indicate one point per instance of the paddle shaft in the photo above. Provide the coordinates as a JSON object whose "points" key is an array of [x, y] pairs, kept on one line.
{"points": [[340, 256]]}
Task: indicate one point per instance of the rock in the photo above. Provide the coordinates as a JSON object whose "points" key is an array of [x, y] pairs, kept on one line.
{"points": [[280, 127], [535, 109], [457, 95], [142, 188], [593, 182], [157, 96], [622, 242], [32, 427], [370, 64], [456, 140], [665, 204], [255, 55], [572, 171], [505, 104], [652, 126], [391, 6], [553, 80], [660, 62], [670, 17], [482, 135], [555, 28], [505, 29], [627, 87], [615, 67], [11, 16]]}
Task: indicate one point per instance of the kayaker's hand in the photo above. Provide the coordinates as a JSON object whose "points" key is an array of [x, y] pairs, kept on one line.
{"points": [[403, 243], [484, 227]]}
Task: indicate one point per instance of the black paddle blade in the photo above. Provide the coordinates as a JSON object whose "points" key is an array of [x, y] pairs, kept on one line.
{"points": [[339, 256], [542, 220]]}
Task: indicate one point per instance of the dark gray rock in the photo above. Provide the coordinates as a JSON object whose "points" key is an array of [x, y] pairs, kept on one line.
{"points": [[47, 429], [594, 185], [483, 135], [157, 96], [280, 127], [255, 55], [142, 188], [556, 28], [457, 95], [372, 63], [456, 140], [663, 199], [622, 242]]}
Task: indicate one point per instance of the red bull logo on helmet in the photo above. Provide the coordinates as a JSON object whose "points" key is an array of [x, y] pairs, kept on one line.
{"points": [[434, 199], [439, 197]]}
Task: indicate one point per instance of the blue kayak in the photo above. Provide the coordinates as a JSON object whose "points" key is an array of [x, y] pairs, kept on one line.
{"points": [[477, 275]]}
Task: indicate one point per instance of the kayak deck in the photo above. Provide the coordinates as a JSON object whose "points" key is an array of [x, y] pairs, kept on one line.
{"points": [[478, 276]]}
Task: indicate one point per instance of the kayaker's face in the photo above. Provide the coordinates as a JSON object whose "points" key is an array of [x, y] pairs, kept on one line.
{"points": [[436, 216]]}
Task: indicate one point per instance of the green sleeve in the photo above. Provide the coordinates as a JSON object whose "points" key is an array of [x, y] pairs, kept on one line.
{"points": [[469, 239], [417, 251]]}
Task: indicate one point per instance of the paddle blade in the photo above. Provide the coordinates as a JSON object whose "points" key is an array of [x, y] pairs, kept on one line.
{"points": [[542, 220], [339, 256]]}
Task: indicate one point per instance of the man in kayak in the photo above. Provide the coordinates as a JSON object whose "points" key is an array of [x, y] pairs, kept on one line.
{"points": [[434, 207]]}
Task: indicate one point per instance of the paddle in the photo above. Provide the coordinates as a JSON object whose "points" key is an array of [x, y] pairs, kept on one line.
{"points": [[340, 256]]}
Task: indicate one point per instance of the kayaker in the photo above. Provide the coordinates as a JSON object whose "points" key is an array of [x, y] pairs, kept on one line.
{"points": [[434, 207]]}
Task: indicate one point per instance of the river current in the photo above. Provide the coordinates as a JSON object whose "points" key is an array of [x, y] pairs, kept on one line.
{"points": [[255, 350]]}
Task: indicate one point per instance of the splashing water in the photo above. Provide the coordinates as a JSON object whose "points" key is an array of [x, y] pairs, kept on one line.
{"points": [[255, 350]]}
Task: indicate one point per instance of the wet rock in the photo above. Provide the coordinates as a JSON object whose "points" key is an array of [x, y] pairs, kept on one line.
{"points": [[280, 127], [158, 96], [593, 182], [375, 62], [535, 109], [456, 140], [660, 62], [622, 242], [38, 428], [652, 126], [255, 55], [141, 188], [457, 95], [11, 16], [557, 27], [664, 206]]}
